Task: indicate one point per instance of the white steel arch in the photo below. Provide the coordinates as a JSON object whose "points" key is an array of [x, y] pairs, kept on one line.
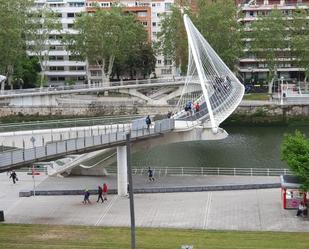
{"points": [[219, 92]]}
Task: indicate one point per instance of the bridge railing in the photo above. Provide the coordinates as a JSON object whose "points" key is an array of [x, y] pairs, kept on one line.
{"points": [[204, 171], [87, 86], [79, 145]]}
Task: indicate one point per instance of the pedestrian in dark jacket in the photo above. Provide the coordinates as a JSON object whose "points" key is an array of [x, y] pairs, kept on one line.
{"points": [[86, 196], [14, 177], [148, 122], [100, 193], [150, 174]]}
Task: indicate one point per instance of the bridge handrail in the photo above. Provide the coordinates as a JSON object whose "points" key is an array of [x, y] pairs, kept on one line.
{"points": [[60, 123], [87, 86], [204, 171], [70, 146]]}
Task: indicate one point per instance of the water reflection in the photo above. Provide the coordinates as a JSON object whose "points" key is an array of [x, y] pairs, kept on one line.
{"points": [[245, 147]]}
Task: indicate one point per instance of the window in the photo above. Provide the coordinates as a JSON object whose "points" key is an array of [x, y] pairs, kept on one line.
{"points": [[154, 24], [159, 61], [70, 25], [142, 13], [145, 24], [168, 6], [166, 71], [70, 15]]}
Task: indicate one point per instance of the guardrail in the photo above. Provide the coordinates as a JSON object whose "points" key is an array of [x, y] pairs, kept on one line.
{"points": [[71, 146], [204, 171], [89, 86], [63, 123]]}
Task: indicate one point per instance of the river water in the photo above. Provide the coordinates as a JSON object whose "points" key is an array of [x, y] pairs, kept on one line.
{"points": [[246, 146]]}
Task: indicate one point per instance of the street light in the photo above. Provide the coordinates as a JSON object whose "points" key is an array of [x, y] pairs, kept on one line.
{"points": [[132, 215], [281, 100]]}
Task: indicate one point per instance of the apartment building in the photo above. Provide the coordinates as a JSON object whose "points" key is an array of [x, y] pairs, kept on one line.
{"points": [[149, 13], [61, 67], [253, 69]]}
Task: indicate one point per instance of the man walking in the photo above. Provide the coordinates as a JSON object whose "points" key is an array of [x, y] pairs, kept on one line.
{"points": [[148, 122], [150, 175], [14, 177], [100, 193], [86, 196]]}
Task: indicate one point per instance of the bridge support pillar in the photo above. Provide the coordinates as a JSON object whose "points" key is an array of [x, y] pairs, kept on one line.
{"points": [[122, 179]]}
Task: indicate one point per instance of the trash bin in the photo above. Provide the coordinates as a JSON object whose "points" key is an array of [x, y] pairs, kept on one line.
{"points": [[1, 215]]}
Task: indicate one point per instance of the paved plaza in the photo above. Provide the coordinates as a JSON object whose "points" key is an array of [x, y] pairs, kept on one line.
{"points": [[258, 210]]}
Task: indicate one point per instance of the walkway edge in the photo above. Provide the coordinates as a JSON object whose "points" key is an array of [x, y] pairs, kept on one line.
{"points": [[28, 193]]}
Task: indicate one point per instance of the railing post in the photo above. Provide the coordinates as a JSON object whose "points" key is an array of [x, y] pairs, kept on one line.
{"points": [[165, 171], [66, 146], [267, 172], [218, 171], [284, 171], [182, 171], [251, 171], [234, 171], [101, 138], [202, 170]]}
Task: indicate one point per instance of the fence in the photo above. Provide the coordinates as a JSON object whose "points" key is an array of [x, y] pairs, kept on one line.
{"points": [[204, 171], [50, 150]]}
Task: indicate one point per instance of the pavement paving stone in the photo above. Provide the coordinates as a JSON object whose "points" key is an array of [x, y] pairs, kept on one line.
{"points": [[256, 209]]}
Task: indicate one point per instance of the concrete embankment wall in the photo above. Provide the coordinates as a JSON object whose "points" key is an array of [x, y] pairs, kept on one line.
{"points": [[245, 113]]}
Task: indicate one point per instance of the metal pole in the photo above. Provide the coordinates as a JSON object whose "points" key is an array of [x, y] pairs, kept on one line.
{"points": [[131, 196]]}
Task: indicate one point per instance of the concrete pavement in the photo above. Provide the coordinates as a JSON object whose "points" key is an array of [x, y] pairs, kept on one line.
{"points": [[258, 210]]}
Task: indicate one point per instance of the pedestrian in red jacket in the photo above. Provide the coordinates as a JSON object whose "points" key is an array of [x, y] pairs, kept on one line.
{"points": [[105, 190]]}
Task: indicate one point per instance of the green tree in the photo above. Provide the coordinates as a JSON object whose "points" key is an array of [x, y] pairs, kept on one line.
{"points": [[295, 152], [300, 40], [172, 39], [217, 22], [42, 29], [105, 35], [268, 40], [26, 72], [13, 15]]}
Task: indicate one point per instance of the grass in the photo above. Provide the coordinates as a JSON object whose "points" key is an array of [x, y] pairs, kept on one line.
{"points": [[68, 237], [256, 96]]}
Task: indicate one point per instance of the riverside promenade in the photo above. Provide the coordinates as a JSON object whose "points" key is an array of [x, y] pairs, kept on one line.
{"points": [[247, 209]]}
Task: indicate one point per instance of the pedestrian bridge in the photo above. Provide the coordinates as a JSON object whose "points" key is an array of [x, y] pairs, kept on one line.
{"points": [[200, 110]]}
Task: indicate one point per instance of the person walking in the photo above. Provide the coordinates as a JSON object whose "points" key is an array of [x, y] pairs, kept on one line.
{"points": [[148, 122], [105, 190], [100, 193], [86, 197], [150, 175], [14, 176]]}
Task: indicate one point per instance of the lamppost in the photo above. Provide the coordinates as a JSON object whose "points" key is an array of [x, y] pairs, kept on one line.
{"points": [[132, 215], [281, 100]]}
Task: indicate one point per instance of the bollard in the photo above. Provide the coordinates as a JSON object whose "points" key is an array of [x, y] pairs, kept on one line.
{"points": [[1, 215]]}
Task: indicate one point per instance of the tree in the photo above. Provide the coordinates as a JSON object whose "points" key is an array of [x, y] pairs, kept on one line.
{"points": [[142, 63], [105, 35], [42, 28], [217, 22], [295, 152], [13, 15], [172, 39], [300, 39], [268, 40], [26, 72]]}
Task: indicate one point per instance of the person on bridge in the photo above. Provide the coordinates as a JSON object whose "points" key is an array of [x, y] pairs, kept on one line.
{"points": [[100, 193], [105, 190], [14, 176], [150, 175], [148, 122]]}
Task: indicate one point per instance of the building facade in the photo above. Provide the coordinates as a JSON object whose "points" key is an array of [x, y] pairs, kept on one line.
{"points": [[252, 69], [61, 67]]}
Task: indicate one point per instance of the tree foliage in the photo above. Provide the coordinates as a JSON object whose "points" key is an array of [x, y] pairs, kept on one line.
{"points": [[13, 16], [172, 42], [295, 152], [268, 34], [104, 36], [299, 28], [41, 23], [217, 22]]}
